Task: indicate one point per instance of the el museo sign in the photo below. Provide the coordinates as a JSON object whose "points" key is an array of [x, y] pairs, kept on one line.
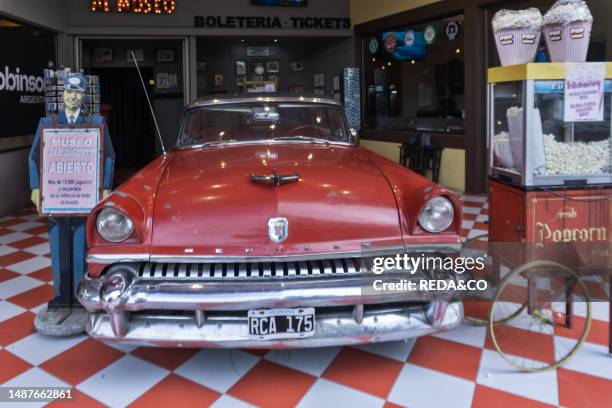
{"points": [[71, 171], [133, 6]]}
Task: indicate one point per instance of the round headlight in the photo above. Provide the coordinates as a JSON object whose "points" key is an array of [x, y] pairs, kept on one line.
{"points": [[436, 215], [113, 225]]}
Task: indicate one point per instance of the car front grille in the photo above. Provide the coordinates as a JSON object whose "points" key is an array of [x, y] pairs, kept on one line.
{"points": [[308, 268]]}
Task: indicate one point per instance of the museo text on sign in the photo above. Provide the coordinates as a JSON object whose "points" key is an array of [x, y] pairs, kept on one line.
{"points": [[70, 178]]}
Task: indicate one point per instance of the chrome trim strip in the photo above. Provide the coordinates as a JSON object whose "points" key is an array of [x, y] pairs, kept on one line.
{"points": [[243, 99], [263, 142], [195, 259], [220, 294], [331, 329], [117, 258]]}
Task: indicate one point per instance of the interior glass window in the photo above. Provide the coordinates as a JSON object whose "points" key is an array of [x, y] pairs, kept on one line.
{"points": [[414, 77]]}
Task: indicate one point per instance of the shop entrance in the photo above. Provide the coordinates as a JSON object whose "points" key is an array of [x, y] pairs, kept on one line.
{"points": [[128, 115], [123, 101]]}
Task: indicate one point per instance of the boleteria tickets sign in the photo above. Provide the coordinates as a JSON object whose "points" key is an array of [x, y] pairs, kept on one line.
{"points": [[70, 176]]}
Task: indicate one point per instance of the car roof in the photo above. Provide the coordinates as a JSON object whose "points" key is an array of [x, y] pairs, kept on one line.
{"points": [[266, 97]]}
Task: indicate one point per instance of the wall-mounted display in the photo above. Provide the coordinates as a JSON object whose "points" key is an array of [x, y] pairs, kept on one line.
{"points": [[451, 30], [273, 66], [373, 45], [336, 87], [296, 66], [319, 80], [430, 34], [406, 45], [166, 81], [138, 54], [202, 84], [103, 55], [260, 86], [219, 80], [241, 68], [257, 68], [164, 55], [319, 83], [258, 51]]}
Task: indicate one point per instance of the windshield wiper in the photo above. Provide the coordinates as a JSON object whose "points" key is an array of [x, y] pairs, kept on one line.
{"points": [[314, 140]]}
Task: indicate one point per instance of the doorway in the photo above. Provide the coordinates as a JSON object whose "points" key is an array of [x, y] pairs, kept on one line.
{"points": [[125, 107], [123, 99]]}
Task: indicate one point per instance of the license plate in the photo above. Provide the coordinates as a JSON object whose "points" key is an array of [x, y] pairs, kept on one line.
{"points": [[271, 324]]}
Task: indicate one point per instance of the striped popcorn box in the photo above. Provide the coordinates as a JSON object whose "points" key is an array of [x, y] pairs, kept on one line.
{"points": [[517, 45], [568, 42]]}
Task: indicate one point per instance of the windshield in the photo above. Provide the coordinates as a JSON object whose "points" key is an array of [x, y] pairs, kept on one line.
{"points": [[254, 121]]}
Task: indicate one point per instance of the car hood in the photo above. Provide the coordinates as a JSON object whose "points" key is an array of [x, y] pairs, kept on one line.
{"points": [[207, 204]]}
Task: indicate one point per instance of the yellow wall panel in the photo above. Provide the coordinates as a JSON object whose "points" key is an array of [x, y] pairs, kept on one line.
{"points": [[452, 168], [366, 10]]}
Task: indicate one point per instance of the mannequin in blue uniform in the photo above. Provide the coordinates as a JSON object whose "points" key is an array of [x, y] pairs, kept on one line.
{"points": [[67, 234]]}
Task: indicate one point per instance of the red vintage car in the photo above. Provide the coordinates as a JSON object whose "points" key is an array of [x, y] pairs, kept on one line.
{"points": [[258, 230]]}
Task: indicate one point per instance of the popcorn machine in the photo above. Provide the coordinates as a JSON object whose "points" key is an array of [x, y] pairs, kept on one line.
{"points": [[550, 190], [530, 144], [549, 139], [550, 179]]}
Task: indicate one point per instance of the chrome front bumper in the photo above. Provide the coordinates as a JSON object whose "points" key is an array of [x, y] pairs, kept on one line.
{"points": [[197, 313]]}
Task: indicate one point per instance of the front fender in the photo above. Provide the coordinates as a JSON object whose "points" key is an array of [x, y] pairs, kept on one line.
{"points": [[411, 192]]}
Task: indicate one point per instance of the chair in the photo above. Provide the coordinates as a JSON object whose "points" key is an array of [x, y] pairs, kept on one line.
{"points": [[418, 155]]}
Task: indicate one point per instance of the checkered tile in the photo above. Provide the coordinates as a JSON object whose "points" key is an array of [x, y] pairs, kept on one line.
{"points": [[456, 368]]}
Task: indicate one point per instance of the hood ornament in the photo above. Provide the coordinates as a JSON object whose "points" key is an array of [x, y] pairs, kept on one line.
{"points": [[275, 178], [278, 229]]}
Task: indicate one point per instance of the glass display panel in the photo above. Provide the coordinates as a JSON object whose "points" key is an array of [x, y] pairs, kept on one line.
{"points": [[508, 127], [536, 146], [570, 148]]}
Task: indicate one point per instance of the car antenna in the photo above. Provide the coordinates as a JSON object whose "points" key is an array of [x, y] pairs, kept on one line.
{"points": [[161, 140]]}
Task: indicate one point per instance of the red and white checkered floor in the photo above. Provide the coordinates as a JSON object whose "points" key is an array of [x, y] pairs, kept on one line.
{"points": [[456, 368]]}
